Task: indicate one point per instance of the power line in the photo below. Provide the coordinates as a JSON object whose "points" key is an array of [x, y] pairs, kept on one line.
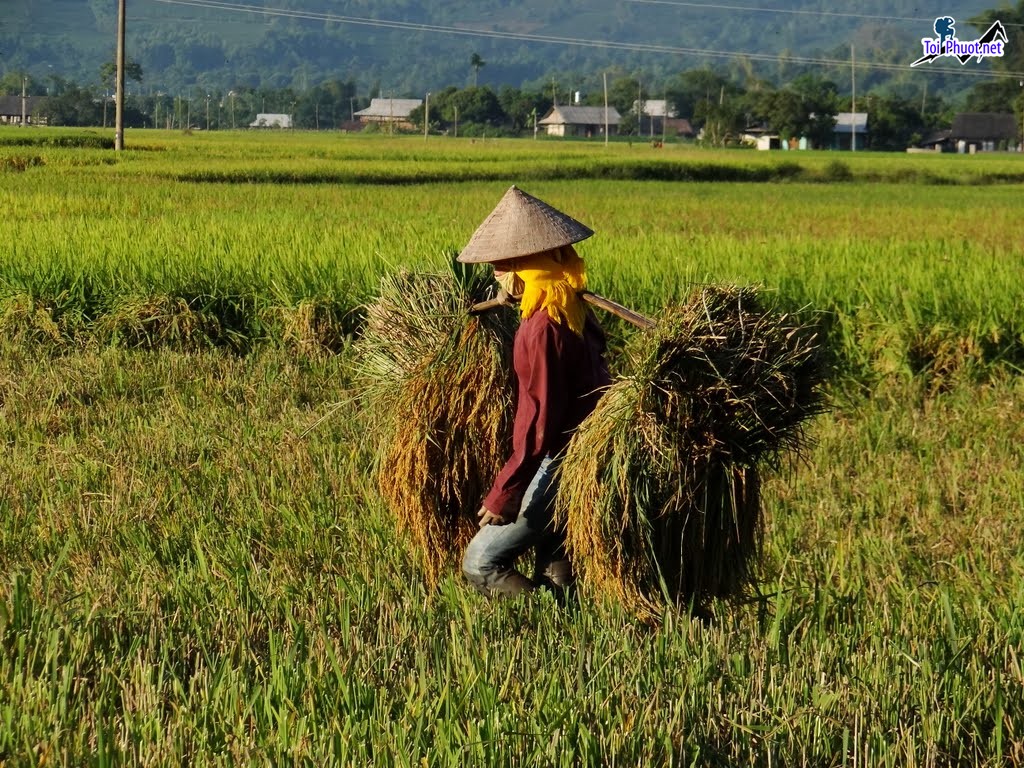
{"points": [[791, 11], [409, 26], [796, 12]]}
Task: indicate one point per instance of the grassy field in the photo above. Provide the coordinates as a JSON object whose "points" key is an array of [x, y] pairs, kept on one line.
{"points": [[93, 242], [196, 567]]}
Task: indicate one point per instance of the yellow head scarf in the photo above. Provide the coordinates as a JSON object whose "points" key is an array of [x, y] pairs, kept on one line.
{"points": [[551, 281]]}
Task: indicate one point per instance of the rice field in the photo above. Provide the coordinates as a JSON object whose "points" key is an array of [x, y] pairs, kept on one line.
{"points": [[197, 567]]}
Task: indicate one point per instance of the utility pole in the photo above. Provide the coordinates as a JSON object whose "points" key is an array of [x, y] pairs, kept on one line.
{"points": [[426, 115], [664, 115], [119, 92], [853, 100], [605, 76], [24, 100], [639, 109]]}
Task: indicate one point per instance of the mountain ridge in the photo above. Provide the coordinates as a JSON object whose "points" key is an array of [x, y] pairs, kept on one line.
{"points": [[183, 46]]}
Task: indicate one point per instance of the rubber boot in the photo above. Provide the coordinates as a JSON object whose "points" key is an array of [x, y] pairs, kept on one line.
{"points": [[556, 576], [558, 573], [504, 583]]}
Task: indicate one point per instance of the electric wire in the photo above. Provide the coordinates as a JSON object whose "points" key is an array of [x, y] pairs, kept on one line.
{"points": [[573, 41], [797, 12]]}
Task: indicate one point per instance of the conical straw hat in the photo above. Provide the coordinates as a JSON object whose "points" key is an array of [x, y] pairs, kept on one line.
{"points": [[521, 225]]}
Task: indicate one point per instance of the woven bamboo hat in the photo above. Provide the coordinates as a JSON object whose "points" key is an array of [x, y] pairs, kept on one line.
{"points": [[521, 225]]}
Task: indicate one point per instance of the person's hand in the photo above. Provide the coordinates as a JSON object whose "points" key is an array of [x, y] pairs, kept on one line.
{"points": [[489, 518]]}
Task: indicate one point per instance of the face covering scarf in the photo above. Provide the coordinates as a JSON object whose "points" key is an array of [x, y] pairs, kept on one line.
{"points": [[509, 283], [552, 286]]}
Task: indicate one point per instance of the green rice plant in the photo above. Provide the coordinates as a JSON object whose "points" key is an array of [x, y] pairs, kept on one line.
{"points": [[89, 228], [189, 575], [59, 138], [20, 162]]}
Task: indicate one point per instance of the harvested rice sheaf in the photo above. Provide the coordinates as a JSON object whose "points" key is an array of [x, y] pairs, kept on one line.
{"points": [[660, 485], [438, 390]]}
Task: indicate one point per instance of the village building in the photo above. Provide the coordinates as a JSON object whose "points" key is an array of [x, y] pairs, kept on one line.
{"points": [[271, 120], [761, 137], [850, 131], [658, 117], [580, 121], [13, 107], [976, 132], [847, 126], [390, 112]]}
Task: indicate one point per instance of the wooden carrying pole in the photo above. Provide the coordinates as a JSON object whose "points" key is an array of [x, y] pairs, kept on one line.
{"points": [[627, 314]]}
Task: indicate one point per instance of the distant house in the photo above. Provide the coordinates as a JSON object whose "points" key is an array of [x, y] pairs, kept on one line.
{"points": [[656, 108], [850, 125], [271, 120], [11, 110], [680, 126], [768, 141], [659, 116], [982, 132], [760, 136], [580, 121], [390, 112], [763, 137]]}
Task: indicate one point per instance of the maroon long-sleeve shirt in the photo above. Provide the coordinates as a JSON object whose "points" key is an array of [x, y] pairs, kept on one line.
{"points": [[559, 378]]}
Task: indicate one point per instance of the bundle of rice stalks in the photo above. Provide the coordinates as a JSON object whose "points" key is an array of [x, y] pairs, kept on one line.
{"points": [[25, 319], [438, 389], [159, 320], [660, 484], [313, 328]]}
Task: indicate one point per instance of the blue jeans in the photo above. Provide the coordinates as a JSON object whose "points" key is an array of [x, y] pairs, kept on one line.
{"points": [[489, 561]]}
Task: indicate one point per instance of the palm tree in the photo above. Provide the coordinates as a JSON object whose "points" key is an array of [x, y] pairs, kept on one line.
{"points": [[476, 63]]}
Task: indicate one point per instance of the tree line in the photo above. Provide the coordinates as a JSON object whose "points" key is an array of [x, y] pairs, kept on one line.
{"points": [[327, 105], [716, 103]]}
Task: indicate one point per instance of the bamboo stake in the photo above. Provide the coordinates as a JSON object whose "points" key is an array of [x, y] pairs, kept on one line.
{"points": [[627, 314]]}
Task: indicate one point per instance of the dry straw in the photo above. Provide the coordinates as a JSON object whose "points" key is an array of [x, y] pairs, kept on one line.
{"points": [[659, 491], [660, 485], [438, 390]]}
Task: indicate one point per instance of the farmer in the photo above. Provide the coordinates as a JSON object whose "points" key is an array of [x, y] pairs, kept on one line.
{"points": [[558, 358]]}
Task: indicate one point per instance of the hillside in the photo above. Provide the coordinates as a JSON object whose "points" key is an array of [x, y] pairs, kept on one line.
{"points": [[181, 46]]}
